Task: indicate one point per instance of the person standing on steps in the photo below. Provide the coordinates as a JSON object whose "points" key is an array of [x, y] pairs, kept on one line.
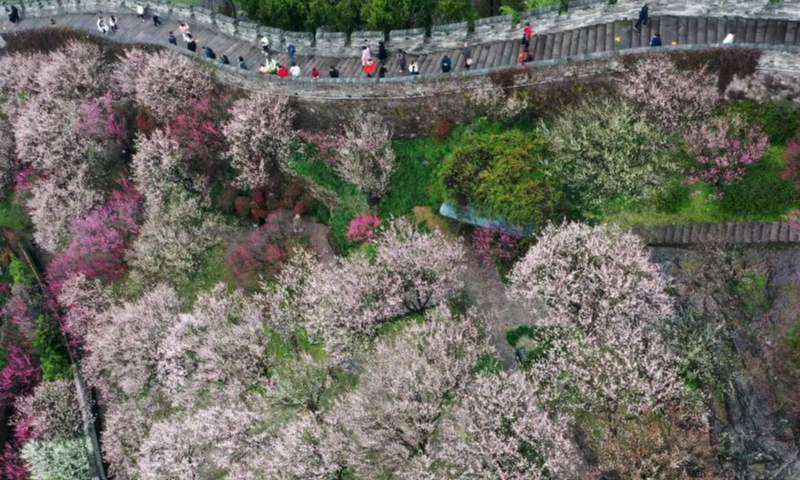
{"points": [[314, 74], [140, 11], [447, 64], [156, 21], [414, 68], [242, 63], [184, 29], [283, 71], [192, 45], [402, 60], [467, 51], [172, 40], [294, 71], [208, 53], [656, 40], [729, 38], [13, 14], [101, 25], [524, 56], [382, 53], [224, 60], [290, 52], [382, 71], [366, 55], [112, 23], [370, 68], [265, 44], [333, 73], [527, 34], [643, 17]]}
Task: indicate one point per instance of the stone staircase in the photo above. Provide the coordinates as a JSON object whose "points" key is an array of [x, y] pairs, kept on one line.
{"points": [[603, 37]]}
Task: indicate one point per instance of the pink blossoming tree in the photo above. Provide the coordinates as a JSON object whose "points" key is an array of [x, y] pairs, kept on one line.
{"points": [[362, 227], [365, 157], [724, 148]]}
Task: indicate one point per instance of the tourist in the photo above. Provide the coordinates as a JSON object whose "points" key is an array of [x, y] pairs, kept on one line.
{"points": [[294, 71], [208, 53], [383, 55], [112, 23], [272, 66], [191, 45], [447, 64], [265, 44], [101, 25], [382, 71], [283, 71], [523, 57], [333, 73], [13, 14], [401, 60], [140, 11], [370, 68], [314, 74], [290, 51], [467, 54], [527, 34], [187, 37], [184, 29], [728, 39], [242, 63], [172, 40], [264, 69], [156, 21], [656, 40], [366, 54], [224, 60], [414, 68], [643, 17]]}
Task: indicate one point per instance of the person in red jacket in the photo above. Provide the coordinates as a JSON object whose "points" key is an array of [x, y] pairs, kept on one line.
{"points": [[283, 71], [527, 34], [523, 57], [370, 68], [314, 74]]}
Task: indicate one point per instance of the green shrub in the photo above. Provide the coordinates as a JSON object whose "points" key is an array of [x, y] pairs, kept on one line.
{"points": [[412, 178], [780, 120], [761, 193], [502, 175], [20, 273], [604, 149], [49, 347], [57, 460]]}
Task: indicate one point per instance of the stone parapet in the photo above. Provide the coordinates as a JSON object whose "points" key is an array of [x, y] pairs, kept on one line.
{"points": [[409, 40], [301, 40], [369, 38]]}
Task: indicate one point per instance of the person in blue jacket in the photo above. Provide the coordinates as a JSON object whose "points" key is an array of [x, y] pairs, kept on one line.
{"points": [[656, 40], [290, 51]]}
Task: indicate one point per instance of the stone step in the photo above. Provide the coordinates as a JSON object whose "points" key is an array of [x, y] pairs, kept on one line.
{"points": [[701, 30], [539, 48], [557, 39], [583, 40], [723, 29], [691, 33], [740, 29], [750, 35], [591, 45], [683, 31], [507, 51], [548, 47], [669, 30], [780, 31], [566, 44], [711, 31], [601, 38], [791, 32], [574, 43], [772, 29], [636, 37], [609, 37], [761, 30]]}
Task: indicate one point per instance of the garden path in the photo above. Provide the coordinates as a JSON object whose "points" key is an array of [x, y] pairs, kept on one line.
{"points": [[602, 37]]}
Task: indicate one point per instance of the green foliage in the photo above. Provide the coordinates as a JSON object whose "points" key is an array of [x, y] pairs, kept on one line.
{"points": [[536, 341], [13, 216], [780, 120], [792, 339], [412, 179], [212, 270], [488, 364], [501, 174], [20, 273], [604, 149], [49, 347], [751, 287], [57, 460], [761, 191]]}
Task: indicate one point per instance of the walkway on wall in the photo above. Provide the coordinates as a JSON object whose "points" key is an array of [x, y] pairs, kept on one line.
{"points": [[605, 37], [745, 234]]}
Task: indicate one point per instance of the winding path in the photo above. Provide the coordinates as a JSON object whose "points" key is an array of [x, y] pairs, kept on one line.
{"points": [[579, 42]]}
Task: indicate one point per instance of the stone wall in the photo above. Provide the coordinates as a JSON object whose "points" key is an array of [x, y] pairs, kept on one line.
{"points": [[546, 20], [745, 234]]}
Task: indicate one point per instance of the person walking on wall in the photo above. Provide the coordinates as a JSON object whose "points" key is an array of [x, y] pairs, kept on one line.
{"points": [[172, 40], [382, 71], [402, 60], [283, 71], [447, 64], [333, 73], [224, 60], [366, 55], [290, 52], [242, 63], [192, 45], [265, 44], [656, 40], [370, 68], [729, 38], [208, 53], [101, 25], [467, 53], [184, 29], [643, 17], [140, 11], [156, 21], [383, 55], [314, 74], [112, 23], [527, 34], [294, 71], [414, 68], [13, 14]]}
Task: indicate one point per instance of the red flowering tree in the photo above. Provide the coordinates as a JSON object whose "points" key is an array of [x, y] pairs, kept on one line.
{"points": [[99, 241], [494, 245], [257, 254], [20, 374], [791, 172], [97, 118], [362, 227]]}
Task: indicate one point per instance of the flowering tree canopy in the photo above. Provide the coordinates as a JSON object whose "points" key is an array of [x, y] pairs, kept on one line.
{"points": [[52, 411], [259, 134], [365, 157]]}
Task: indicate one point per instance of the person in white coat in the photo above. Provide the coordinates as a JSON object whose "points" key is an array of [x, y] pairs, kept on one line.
{"points": [[728, 39], [101, 25], [294, 71]]}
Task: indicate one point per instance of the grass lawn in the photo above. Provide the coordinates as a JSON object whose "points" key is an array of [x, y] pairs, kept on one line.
{"points": [[13, 216]]}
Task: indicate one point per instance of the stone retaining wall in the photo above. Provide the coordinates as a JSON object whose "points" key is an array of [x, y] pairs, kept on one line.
{"points": [[336, 44], [775, 233]]}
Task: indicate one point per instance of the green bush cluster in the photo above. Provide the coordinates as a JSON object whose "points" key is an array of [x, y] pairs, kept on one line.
{"points": [[49, 347], [20, 273], [780, 120], [761, 192], [501, 174]]}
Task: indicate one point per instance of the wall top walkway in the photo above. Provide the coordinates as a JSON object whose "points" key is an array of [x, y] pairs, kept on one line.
{"points": [[747, 234], [443, 37]]}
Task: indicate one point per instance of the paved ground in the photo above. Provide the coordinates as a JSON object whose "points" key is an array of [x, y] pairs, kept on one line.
{"points": [[597, 38]]}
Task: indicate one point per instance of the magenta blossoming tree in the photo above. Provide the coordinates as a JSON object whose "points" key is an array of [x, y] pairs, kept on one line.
{"points": [[362, 227], [98, 119], [259, 134], [19, 375], [673, 97], [724, 148]]}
